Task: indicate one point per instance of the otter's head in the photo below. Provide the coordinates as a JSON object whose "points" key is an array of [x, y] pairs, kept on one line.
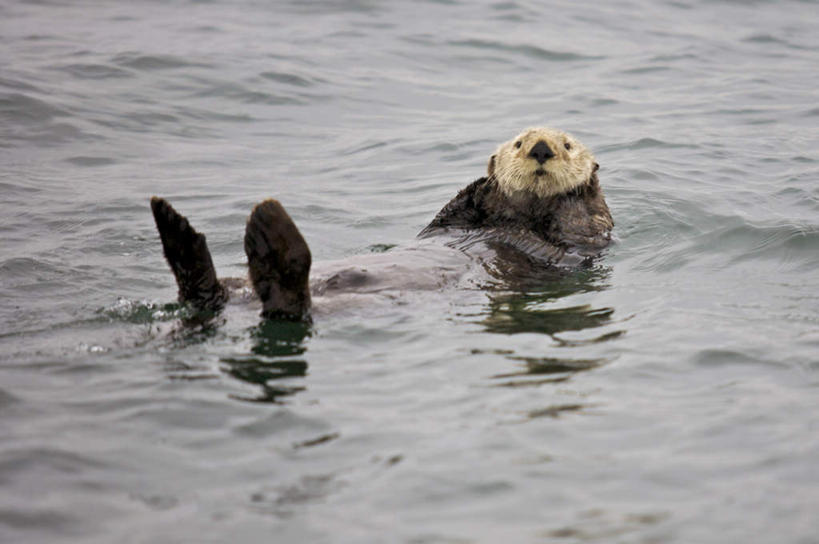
{"points": [[541, 160]]}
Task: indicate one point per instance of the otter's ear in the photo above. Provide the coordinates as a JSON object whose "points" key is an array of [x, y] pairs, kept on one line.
{"points": [[490, 169]]}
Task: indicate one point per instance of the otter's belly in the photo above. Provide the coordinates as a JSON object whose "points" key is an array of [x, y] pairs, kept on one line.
{"points": [[422, 267], [363, 282], [454, 259]]}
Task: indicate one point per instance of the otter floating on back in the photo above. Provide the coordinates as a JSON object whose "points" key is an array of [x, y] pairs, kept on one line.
{"points": [[541, 196]]}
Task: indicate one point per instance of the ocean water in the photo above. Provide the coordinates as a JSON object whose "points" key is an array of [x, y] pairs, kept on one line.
{"points": [[669, 393]]}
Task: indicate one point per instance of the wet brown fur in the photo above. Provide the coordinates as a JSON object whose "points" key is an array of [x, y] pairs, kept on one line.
{"points": [[575, 218]]}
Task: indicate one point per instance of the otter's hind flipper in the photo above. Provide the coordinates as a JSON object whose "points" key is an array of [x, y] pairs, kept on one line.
{"points": [[279, 262], [187, 254]]}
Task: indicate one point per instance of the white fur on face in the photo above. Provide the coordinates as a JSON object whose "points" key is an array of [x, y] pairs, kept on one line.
{"points": [[515, 170]]}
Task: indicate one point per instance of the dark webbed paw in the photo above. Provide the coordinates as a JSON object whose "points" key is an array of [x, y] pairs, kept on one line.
{"points": [[279, 262], [187, 254]]}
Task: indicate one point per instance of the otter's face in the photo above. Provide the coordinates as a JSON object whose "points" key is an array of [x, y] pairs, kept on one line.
{"points": [[541, 160]]}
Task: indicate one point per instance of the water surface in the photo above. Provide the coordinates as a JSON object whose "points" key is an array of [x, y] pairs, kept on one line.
{"points": [[666, 394]]}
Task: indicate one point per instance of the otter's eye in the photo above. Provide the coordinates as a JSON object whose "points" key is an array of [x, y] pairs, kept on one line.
{"points": [[567, 145], [517, 144]]}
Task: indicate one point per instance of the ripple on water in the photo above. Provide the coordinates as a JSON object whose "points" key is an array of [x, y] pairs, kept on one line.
{"points": [[299, 428], [30, 473], [556, 410], [17, 85], [651, 143], [531, 51], [52, 460], [20, 108], [156, 62], [789, 245], [235, 92], [95, 71], [29, 269], [24, 118], [7, 399], [770, 39], [288, 79], [718, 357], [85, 161], [555, 369], [42, 518]]}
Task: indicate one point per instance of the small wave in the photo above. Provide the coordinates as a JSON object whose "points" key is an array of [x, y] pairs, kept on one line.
{"points": [[201, 114], [90, 161], [674, 58], [146, 120], [743, 111], [95, 71], [288, 79], [648, 143], [364, 147], [238, 93], [312, 7], [644, 143], [17, 85], [532, 51], [7, 399], [44, 518], [768, 39], [552, 365], [718, 357], [323, 439], [785, 242], [23, 109], [645, 70], [24, 118], [555, 411], [797, 196], [740, 241], [155, 62], [46, 135], [604, 102], [27, 267], [45, 458]]}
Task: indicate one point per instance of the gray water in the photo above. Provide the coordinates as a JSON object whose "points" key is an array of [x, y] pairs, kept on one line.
{"points": [[666, 394]]}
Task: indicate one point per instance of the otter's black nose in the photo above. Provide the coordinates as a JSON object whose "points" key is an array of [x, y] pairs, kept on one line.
{"points": [[541, 152]]}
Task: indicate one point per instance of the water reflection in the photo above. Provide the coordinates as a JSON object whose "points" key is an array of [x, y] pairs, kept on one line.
{"points": [[552, 365], [557, 369], [527, 300], [275, 356], [513, 314], [555, 411], [524, 299]]}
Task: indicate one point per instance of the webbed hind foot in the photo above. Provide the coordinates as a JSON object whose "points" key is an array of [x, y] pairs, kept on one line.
{"points": [[279, 262], [187, 254]]}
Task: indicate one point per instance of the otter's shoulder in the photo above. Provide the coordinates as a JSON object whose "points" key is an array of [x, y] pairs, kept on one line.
{"points": [[468, 209]]}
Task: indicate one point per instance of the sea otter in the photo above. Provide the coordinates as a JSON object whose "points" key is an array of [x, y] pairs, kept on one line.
{"points": [[541, 197]]}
